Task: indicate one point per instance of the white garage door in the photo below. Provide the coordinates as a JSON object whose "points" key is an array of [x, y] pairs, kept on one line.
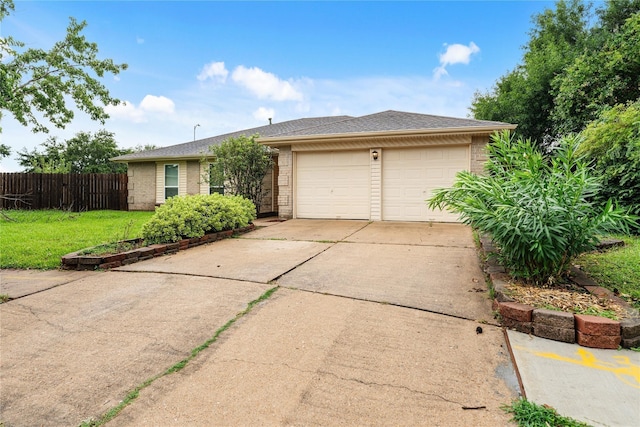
{"points": [[333, 185], [410, 175]]}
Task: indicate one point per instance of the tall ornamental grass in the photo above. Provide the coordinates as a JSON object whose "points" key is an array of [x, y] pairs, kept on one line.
{"points": [[538, 209]]}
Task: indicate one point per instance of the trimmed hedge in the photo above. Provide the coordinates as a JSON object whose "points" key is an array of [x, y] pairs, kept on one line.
{"points": [[194, 216]]}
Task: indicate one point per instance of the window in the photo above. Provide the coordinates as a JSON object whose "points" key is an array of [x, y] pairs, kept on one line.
{"points": [[216, 185], [170, 181]]}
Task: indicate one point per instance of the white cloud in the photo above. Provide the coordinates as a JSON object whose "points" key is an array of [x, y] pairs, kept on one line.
{"points": [[265, 85], [264, 114], [157, 104], [214, 71], [126, 110], [139, 40], [455, 54], [149, 104]]}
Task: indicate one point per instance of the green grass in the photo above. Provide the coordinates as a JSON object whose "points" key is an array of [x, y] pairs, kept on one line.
{"points": [[135, 393], [529, 414], [616, 268], [38, 239]]}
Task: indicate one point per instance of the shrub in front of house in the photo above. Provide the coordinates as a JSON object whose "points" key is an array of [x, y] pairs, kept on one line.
{"points": [[196, 215], [539, 209]]}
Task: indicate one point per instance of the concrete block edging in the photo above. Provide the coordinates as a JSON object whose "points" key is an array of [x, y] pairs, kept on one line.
{"points": [[585, 330], [77, 261]]}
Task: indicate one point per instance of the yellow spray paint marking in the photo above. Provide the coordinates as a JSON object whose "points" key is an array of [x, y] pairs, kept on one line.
{"points": [[623, 369]]}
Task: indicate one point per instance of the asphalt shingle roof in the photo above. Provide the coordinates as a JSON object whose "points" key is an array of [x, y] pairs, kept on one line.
{"points": [[389, 121], [386, 121], [195, 149]]}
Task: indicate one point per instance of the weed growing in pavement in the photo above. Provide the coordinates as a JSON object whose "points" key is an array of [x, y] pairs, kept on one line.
{"points": [[133, 394], [529, 414], [4, 298]]}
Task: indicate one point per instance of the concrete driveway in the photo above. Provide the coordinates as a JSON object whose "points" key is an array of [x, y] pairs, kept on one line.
{"points": [[371, 323]]}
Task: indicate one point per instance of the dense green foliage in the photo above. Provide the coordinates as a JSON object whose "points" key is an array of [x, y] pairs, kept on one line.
{"points": [[38, 239], [194, 216], [84, 153], [5, 151], [573, 68], [613, 142], [36, 82], [598, 79], [524, 96], [538, 210], [529, 414], [241, 163]]}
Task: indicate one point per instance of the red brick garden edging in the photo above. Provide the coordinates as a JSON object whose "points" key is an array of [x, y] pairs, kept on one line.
{"points": [[76, 261], [586, 330]]}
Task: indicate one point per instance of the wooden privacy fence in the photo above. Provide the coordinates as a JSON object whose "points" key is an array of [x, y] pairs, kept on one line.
{"points": [[76, 192]]}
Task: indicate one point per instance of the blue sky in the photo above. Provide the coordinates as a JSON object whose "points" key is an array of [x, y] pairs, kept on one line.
{"points": [[230, 65]]}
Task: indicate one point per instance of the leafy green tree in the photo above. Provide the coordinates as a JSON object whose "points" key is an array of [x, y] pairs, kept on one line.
{"points": [[524, 96], [144, 147], [5, 151], [613, 144], [241, 163], [91, 153], [84, 153], [614, 15], [50, 159], [39, 82], [599, 79], [539, 211]]}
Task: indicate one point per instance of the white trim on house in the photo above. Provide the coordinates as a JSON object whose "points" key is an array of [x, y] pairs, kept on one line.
{"points": [[160, 179]]}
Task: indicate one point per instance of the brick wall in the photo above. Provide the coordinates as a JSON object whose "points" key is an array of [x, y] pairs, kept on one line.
{"points": [[285, 182], [141, 186], [478, 153], [193, 177]]}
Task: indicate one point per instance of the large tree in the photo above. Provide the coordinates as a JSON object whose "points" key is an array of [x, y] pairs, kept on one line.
{"points": [[599, 79], [524, 96], [84, 153], [36, 82], [573, 68]]}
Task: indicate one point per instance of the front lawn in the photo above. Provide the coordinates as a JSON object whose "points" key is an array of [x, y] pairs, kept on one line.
{"points": [[38, 239], [616, 269]]}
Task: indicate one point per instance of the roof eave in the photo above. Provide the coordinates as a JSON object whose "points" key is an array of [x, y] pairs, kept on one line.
{"points": [[157, 159], [466, 130]]}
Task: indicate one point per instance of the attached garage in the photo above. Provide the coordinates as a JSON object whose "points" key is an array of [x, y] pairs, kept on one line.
{"points": [[333, 185], [378, 167], [410, 175]]}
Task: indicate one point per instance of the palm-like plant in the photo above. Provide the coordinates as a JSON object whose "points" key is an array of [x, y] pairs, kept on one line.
{"points": [[538, 209]]}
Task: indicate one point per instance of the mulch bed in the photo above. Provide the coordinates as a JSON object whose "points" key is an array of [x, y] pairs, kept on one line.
{"points": [[569, 297]]}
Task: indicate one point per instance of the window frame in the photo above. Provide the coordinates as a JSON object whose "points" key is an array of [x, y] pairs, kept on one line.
{"points": [[177, 178]]}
